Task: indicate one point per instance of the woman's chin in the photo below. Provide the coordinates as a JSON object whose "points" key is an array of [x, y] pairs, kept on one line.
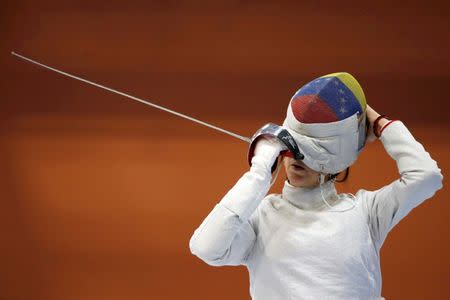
{"points": [[299, 179], [296, 180]]}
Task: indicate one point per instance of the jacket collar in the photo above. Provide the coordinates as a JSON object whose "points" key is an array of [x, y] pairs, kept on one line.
{"points": [[310, 198]]}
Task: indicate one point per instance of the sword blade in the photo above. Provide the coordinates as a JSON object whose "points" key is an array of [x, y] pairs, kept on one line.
{"points": [[246, 139]]}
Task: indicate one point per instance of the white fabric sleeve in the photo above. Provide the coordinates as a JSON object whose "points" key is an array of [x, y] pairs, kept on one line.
{"points": [[420, 178], [227, 234]]}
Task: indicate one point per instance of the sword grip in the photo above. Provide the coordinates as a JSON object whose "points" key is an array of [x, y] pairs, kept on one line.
{"points": [[275, 131]]}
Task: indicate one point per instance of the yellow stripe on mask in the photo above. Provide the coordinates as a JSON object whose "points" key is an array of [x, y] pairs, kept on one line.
{"points": [[352, 84]]}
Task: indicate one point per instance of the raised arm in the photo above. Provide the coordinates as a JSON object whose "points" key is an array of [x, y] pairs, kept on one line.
{"points": [[227, 234], [420, 178]]}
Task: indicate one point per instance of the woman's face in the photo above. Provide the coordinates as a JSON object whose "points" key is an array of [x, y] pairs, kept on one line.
{"points": [[299, 174]]}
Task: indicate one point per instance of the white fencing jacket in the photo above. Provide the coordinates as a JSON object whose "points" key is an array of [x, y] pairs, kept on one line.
{"points": [[294, 248]]}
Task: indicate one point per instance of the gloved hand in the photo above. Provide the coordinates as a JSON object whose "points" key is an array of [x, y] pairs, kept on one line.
{"points": [[267, 151]]}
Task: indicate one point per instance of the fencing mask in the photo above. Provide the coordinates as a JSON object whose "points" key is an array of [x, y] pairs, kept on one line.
{"points": [[327, 119]]}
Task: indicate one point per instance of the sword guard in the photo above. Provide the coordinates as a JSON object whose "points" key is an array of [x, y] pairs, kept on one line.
{"points": [[274, 130]]}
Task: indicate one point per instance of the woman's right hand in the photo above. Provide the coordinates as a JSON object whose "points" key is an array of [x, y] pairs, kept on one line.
{"points": [[267, 151]]}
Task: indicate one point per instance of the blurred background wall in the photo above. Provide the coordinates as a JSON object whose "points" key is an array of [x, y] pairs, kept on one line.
{"points": [[100, 194]]}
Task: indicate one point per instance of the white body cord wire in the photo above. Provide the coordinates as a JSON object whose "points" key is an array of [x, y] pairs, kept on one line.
{"points": [[352, 200]]}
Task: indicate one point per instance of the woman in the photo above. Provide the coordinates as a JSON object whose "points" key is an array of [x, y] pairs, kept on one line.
{"points": [[310, 242]]}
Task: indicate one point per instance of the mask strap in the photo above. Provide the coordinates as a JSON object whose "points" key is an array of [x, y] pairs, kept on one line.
{"points": [[352, 200]]}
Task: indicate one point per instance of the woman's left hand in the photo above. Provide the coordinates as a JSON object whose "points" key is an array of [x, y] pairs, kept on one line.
{"points": [[372, 115]]}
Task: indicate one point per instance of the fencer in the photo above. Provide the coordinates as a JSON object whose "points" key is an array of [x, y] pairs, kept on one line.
{"points": [[309, 242]]}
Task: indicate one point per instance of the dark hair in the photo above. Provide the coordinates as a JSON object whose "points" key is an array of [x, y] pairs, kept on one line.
{"points": [[334, 176]]}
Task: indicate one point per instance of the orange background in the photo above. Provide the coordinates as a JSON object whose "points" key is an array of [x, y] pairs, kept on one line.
{"points": [[100, 194]]}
